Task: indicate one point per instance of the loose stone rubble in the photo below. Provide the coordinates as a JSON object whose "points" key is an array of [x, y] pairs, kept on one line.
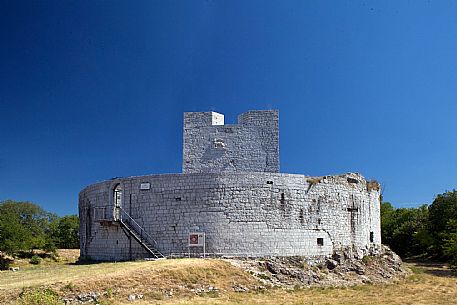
{"points": [[342, 269], [83, 298], [134, 297]]}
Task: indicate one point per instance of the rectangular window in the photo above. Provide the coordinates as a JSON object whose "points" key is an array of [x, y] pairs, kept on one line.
{"points": [[145, 186], [352, 180], [320, 241], [218, 143], [371, 237]]}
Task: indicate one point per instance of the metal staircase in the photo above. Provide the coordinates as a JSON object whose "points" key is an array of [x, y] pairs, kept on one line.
{"points": [[139, 234]]}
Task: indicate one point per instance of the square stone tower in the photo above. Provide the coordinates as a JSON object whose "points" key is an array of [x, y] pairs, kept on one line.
{"points": [[252, 145]]}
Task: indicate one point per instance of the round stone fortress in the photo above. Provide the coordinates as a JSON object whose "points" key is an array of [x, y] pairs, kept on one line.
{"points": [[230, 200]]}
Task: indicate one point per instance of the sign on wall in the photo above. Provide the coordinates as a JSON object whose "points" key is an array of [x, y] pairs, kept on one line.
{"points": [[145, 186], [196, 239]]}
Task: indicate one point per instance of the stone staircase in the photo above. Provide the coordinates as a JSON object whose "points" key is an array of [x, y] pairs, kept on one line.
{"points": [[140, 235]]}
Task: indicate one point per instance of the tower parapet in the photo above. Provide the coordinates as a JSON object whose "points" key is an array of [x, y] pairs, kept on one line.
{"points": [[202, 119], [252, 145]]}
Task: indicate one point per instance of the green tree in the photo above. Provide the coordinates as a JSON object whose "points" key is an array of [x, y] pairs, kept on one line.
{"points": [[450, 243], [443, 214], [387, 222], [23, 226], [424, 230], [64, 232], [405, 230]]}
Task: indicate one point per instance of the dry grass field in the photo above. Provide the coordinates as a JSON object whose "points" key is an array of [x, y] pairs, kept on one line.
{"points": [[188, 281]]}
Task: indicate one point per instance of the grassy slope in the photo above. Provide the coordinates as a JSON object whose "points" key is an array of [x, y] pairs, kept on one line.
{"points": [[430, 284]]}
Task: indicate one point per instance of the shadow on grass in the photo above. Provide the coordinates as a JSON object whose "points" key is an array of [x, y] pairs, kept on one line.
{"points": [[441, 272], [435, 268], [84, 262], [94, 262], [30, 254]]}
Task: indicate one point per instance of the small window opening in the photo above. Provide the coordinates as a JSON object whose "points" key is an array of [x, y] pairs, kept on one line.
{"points": [[218, 143], [283, 199], [352, 180], [371, 237], [269, 182], [178, 198], [319, 221], [320, 241], [117, 198]]}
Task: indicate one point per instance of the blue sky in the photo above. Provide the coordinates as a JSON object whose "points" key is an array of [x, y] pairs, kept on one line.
{"points": [[97, 89]]}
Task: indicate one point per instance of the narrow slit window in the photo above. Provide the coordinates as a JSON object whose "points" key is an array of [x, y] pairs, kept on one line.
{"points": [[371, 237]]}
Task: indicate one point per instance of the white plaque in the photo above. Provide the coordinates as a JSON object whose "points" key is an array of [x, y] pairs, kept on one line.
{"points": [[196, 239], [145, 186]]}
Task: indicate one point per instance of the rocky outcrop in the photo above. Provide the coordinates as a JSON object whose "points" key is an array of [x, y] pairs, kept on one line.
{"points": [[344, 268]]}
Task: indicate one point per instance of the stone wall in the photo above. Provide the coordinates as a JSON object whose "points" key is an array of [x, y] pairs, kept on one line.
{"points": [[242, 214], [252, 145], [232, 191]]}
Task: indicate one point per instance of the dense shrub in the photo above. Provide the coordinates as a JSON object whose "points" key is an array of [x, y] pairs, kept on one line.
{"points": [[405, 230], [40, 296], [450, 243], [35, 260], [4, 262], [424, 231], [64, 232]]}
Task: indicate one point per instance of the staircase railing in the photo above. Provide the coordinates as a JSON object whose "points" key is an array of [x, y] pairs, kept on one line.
{"points": [[142, 234]]}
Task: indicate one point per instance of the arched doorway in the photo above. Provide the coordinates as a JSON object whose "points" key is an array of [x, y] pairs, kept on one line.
{"points": [[117, 200]]}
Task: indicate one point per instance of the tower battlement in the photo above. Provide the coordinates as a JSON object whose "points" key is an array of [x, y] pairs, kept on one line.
{"points": [[202, 119], [252, 145]]}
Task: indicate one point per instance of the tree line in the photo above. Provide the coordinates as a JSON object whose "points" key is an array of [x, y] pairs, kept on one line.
{"points": [[428, 231], [25, 226]]}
